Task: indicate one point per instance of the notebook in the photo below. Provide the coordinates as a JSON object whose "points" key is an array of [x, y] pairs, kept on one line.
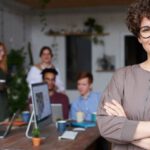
{"points": [[71, 135]]}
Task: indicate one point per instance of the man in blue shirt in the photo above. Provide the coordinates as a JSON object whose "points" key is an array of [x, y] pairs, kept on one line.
{"points": [[88, 100]]}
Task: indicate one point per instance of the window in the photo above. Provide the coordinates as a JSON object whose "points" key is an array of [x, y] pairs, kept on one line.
{"points": [[78, 54], [134, 52]]}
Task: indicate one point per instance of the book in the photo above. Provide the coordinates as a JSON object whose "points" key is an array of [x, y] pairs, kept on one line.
{"points": [[68, 135]]}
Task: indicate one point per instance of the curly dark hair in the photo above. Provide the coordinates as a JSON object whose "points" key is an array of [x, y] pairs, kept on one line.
{"points": [[49, 70], [136, 12]]}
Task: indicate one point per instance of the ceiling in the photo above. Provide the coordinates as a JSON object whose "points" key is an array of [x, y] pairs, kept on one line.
{"points": [[75, 3]]}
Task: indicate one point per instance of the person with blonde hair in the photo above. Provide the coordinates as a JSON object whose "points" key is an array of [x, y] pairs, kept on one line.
{"points": [[3, 78]]}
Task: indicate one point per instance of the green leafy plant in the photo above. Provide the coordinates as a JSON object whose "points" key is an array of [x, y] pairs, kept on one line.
{"points": [[36, 132], [17, 86], [92, 26], [90, 23], [43, 18]]}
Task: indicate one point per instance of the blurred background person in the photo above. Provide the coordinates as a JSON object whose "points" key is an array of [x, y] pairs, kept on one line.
{"points": [[49, 76], [34, 75], [3, 80], [88, 100]]}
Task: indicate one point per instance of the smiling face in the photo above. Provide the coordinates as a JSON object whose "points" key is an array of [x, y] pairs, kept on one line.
{"points": [[50, 78], [145, 26], [46, 57], [84, 86]]}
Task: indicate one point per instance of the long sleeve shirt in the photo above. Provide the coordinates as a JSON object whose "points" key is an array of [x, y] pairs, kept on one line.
{"points": [[86, 105], [130, 86]]}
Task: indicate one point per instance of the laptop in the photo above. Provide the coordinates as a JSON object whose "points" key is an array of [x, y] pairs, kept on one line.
{"points": [[57, 112]]}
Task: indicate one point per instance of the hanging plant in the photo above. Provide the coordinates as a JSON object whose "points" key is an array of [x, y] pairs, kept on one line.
{"points": [[43, 18], [92, 26]]}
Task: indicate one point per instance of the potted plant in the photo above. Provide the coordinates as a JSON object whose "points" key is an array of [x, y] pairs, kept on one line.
{"points": [[92, 27], [17, 85], [36, 140]]}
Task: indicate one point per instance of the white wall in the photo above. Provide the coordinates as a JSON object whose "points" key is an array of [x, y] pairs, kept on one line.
{"points": [[13, 28], [114, 24], [16, 29]]}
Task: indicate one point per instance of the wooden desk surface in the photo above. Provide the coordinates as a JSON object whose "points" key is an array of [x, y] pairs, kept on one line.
{"points": [[16, 140]]}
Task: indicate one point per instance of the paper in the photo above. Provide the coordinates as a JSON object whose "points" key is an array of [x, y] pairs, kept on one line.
{"points": [[69, 135], [79, 129]]}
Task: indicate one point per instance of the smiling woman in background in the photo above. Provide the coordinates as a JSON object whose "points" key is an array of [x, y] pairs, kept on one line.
{"points": [[34, 75], [3, 77]]}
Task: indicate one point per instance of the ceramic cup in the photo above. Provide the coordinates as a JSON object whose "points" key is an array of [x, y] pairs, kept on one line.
{"points": [[61, 126], [80, 116], [93, 117], [25, 116]]}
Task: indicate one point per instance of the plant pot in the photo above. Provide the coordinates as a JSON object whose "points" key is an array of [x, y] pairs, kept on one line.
{"points": [[36, 141]]}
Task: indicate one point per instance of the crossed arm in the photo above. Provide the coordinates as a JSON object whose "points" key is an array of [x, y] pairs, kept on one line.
{"points": [[143, 129]]}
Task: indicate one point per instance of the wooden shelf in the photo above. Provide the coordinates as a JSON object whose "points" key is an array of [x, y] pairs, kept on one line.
{"points": [[76, 34]]}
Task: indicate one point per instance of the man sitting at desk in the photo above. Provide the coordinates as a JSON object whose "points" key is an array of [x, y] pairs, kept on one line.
{"points": [[49, 76], [88, 100]]}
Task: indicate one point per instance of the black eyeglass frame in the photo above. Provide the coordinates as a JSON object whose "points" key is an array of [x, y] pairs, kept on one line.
{"points": [[141, 34]]}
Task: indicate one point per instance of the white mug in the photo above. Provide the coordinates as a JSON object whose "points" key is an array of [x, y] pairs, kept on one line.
{"points": [[80, 116]]}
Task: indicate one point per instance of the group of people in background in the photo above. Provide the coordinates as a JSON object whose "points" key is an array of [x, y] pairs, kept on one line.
{"points": [[46, 71]]}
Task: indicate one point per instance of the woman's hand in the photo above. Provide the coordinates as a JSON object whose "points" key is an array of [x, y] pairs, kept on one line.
{"points": [[114, 109]]}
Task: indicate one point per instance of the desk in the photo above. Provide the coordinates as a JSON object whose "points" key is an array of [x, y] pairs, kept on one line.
{"points": [[85, 140]]}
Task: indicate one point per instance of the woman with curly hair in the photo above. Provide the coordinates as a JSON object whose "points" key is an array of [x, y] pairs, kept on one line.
{"points": [[3, 78], [124, 113]]}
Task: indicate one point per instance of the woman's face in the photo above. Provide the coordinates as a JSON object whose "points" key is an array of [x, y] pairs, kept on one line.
{"points": [[145, 30], [46, 56], [2, 53]]}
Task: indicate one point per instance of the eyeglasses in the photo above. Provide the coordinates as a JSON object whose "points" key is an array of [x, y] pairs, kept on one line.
{"points": [[145, 32]]}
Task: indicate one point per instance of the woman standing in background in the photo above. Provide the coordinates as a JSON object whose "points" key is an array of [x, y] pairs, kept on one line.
{"points": [[34, 75], [3, 76]]}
